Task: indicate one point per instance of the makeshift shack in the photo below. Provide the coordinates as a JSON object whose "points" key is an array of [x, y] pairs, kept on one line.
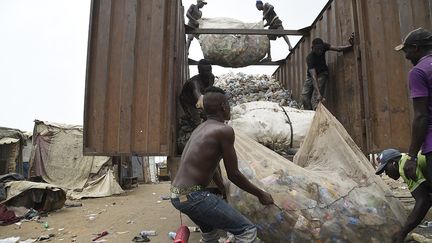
{"points": [[11, 143], [58, 159]]}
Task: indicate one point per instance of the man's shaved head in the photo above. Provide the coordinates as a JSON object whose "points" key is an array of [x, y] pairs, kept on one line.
{"points": [[215, 101]]}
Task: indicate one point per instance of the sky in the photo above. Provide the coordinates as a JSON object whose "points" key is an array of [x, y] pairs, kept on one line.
{"points": [[43, 53]]}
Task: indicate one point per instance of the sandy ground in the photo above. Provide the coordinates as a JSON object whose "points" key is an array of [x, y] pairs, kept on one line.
{"points": [[143, 208], [113, 213]]}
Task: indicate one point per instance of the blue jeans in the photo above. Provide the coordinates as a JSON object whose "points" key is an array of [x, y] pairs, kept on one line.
{"points": [[211, 212]]}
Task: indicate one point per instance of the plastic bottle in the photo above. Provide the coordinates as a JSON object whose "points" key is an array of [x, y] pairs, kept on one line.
{"points": [[148, 233], [172, 235]]}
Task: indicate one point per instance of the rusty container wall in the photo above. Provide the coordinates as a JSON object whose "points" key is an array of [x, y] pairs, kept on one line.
{"points": [[136, 62], [367, 90], [334, 25], [382, 26]]}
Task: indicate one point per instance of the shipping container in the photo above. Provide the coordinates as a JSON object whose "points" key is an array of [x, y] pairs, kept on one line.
{"points": [[136, 66], [367, 90]]}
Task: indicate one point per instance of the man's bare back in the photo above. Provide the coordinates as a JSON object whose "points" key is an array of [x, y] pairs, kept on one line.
{"points": [[202, 154], [209, 143]]}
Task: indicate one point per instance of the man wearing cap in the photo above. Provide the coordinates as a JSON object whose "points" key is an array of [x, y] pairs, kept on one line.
{"points": [[273, 22], [317, 74], [417, 47], [392, 162], [194, 14]]}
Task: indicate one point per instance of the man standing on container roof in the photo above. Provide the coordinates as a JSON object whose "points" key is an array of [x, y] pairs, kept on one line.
{"points": [[317, 74], [392, 162], [417, 47], [210, 142], [273, 22], [194, 14]]}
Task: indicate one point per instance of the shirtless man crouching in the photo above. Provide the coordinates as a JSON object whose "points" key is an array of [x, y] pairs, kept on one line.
{"points": [[210, 142]]}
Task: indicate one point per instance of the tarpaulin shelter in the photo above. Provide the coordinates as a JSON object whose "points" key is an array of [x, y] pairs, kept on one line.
{"points": [[57, 157], [11, 144]]}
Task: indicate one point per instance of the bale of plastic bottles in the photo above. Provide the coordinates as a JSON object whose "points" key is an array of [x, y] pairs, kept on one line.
{"points": [[330, 193], [232, 50]]}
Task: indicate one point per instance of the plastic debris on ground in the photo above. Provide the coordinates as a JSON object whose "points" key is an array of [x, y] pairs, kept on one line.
{"points": [[45, 237], [141, 238], [100, 235], [148, 233], [330, 193], [232, 50], [171, 235], [72, 204], [10, 240]]}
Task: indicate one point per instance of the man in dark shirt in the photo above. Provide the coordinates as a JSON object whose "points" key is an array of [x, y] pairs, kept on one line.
{"points": [[317, 74], [192, 92], [194, 14], [273, 22]]}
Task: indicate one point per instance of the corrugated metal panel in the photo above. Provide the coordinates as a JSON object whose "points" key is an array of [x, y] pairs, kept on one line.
{"points": [[368, 90], [136, 64]]}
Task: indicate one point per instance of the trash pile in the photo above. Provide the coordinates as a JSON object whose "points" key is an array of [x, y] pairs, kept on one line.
{"points": [[242, 88], [232, 50], [329, 194]]}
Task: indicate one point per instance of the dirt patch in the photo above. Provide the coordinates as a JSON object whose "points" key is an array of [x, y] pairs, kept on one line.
{"points": [[142, 207]]}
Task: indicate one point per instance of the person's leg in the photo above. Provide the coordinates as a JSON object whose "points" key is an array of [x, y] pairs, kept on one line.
{"points": [[189, 41], [268, 55], [307, 94], [286, 39], [211, 212], [208, 233], [225, 217], [322, 81], [192, 207], [429, 167]]}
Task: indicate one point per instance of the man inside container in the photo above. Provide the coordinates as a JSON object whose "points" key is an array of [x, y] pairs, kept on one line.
{"points": [[194, 14], [191, 101], [273, 21], [392, 162], [417, 47], [210, 142], [318, 72]]}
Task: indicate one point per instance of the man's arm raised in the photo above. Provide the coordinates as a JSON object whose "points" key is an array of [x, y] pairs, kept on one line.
{"points": [[229, 157]]}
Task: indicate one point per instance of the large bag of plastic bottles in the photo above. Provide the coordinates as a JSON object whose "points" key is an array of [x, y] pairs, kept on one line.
{"points": [[330, 193], [232, 50]]}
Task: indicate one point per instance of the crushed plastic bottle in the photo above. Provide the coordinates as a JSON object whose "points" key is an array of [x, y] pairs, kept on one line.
{"points": [[148, 233], [172, 235]]}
